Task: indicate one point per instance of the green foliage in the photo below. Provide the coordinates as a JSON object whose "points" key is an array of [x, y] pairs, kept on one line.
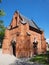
{"points": [[43, 59], [48, 45], [2, 31], [0, 1], [2, 27], [2, 13]]}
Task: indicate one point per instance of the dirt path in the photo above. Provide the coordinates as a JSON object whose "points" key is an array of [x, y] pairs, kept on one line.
{"points": [[6, 59]]}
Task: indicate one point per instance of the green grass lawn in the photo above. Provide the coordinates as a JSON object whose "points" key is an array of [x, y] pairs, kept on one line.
{"points": [[42, 58]]}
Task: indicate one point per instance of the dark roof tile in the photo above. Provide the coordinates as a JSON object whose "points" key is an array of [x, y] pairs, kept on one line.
{"points": [[31, 22]]}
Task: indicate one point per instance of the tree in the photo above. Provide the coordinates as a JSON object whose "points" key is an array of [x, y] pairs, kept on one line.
{"points": [[2, 27], [0, 1], [2, 31], [2, 13]]}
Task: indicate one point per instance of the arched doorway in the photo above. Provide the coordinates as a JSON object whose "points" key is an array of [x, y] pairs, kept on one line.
{"points": [[13, 44]]}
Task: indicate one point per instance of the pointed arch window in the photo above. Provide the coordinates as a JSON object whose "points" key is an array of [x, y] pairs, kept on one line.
{"points": [[16, 20], [35, 43]]}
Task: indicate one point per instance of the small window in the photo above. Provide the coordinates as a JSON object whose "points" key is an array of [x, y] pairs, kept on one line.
{"points": [[11, 26], [16, 20], [17, 23], [18, 33]]}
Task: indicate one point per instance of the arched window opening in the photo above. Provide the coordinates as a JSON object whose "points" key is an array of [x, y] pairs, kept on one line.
{"points": [[35, 43], [17, 33]]}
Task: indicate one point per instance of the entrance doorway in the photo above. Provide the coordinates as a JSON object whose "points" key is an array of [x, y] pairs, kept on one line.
{"points": [[13, 43]]}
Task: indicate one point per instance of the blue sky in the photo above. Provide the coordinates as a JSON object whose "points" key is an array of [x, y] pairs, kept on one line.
{"points": [[38, 10]]}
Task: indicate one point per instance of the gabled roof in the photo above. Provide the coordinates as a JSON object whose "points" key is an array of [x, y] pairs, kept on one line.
{"points": [[31, 22]]}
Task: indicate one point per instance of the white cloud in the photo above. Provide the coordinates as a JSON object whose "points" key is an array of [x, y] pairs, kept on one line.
{"points": [[47, 40]]}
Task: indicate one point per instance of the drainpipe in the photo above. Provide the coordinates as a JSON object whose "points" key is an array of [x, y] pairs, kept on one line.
{"points": [[41, 43]]}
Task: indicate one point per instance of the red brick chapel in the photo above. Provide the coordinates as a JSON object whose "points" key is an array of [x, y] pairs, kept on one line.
{"points": [[23, 38]]}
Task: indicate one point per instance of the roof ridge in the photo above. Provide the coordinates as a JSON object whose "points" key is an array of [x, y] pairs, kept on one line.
{"points": [[35, 24], [27, 20]]}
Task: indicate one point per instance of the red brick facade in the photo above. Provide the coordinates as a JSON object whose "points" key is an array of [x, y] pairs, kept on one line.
{"points": [[23, 40]]}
